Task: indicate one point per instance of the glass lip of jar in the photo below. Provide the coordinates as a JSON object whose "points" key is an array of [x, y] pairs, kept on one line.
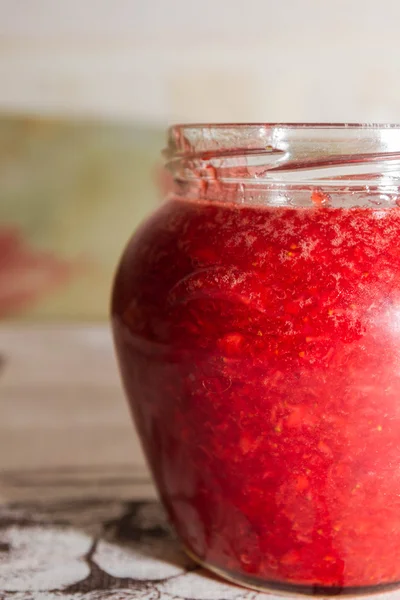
{"points": [[330, 154]]}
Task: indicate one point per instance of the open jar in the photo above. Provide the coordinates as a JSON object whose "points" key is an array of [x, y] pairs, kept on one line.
{"points": [[256, 317]]}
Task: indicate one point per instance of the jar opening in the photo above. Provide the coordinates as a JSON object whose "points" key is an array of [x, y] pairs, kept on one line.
{"points": [[345, 155]]}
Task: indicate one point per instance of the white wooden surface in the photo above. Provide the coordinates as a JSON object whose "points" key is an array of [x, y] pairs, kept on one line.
{"points": [[61, 402]]}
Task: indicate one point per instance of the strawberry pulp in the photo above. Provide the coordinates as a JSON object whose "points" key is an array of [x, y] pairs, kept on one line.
{"points": [[260, 351]]}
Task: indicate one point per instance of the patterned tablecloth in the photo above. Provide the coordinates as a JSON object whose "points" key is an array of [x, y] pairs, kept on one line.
{"points": [[88, 534]]}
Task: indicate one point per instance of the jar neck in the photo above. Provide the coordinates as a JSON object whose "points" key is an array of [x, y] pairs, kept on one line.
{"points": [[267, 160]]}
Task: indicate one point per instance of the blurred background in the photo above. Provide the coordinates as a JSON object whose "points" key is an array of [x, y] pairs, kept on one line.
{"points": [[89, 86]]}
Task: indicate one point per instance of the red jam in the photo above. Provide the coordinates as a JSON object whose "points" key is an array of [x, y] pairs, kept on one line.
{"points": [[260, 351]]}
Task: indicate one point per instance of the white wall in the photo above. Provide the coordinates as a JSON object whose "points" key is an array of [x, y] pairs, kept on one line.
{"points": [[168, 60]]}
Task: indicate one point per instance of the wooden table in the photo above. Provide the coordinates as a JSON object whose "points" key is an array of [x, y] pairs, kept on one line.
{"points": [[79, 519]]}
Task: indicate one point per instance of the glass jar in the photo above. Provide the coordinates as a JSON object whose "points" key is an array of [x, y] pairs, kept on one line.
{"points": [[256, 318]]}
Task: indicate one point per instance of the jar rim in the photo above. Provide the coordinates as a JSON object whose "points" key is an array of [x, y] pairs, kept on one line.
{"points": [[289, 124], [286, 152]]}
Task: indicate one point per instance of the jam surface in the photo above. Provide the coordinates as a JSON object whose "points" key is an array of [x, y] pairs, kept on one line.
{"points": [[260, 351]]}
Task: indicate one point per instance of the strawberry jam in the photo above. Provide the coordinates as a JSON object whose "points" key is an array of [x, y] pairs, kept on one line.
{"points": [[259, 347]]}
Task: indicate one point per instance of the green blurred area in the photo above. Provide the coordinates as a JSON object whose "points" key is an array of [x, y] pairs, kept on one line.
{"points": [[76, 190]]}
